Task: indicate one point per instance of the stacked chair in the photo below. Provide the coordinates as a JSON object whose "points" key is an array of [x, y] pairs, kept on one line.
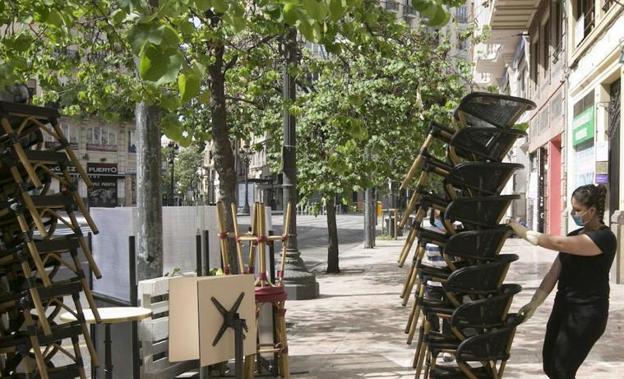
{"points": [[39, 269], [252, 246], [467, 313]]}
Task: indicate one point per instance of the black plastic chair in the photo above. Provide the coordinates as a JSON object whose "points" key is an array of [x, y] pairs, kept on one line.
{"points": [[471, 318], [478, 212], [491, 110], [480, 356]]}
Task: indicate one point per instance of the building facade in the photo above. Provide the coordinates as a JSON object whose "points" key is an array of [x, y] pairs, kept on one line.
{"points": [[107, 151], [569, 60]]}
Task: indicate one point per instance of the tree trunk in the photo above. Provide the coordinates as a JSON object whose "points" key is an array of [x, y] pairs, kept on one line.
{"points": [[332, 230], [149, 203], [222, 147], [369, 218]]}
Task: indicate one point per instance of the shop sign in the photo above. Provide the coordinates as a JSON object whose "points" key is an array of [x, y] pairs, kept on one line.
{"points": [[103, 176], [106, 169], [583, 127], [71, 170]]}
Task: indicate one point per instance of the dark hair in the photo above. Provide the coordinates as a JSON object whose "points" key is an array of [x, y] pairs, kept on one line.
{"points": [[592, 196]]}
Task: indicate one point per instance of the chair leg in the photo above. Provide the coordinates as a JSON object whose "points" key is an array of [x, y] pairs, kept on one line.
{"points": [[419, 346], [250, 366], [283, 355], [423, 349], [407, 246], [408, 285], [416, 314]]}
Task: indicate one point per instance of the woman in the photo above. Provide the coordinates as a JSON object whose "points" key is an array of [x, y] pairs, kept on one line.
{"points": [[579, 315]]}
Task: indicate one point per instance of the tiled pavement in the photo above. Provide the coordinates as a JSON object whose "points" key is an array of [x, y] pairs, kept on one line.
{"points": [[355, 328]]}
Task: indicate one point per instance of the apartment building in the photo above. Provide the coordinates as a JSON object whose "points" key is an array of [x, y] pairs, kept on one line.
{"points": [[107, 151], [525, 55]]}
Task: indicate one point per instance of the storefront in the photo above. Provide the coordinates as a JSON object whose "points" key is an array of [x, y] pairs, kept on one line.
{"points": [[105, 189]]}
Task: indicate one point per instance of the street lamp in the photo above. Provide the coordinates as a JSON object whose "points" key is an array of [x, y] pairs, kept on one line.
{"points": [[173, 150], [245, 152]]}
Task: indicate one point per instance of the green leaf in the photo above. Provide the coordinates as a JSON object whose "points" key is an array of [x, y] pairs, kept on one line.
{"points": [[171, 127], [118, 16], [441, 17], [317, 9], [54, 17], [203, 5], [188, 85], [337, 9], [291, 12], [421, 5], [220, 5], [159, 65]]}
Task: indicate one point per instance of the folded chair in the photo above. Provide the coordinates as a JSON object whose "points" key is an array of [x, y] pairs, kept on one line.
{"points": [[266, 292], [465, 284], [471, 318], [463, 180], [479, 356], [491, 110]]}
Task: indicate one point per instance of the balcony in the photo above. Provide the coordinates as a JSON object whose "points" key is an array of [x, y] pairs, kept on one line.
{"points": [[512, 14]]}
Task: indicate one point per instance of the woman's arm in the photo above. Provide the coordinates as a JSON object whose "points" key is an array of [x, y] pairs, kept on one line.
{"points": [[551, 278], [575, 245], [547, 285]]}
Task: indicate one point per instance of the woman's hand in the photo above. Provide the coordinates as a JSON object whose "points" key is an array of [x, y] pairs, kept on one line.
{"points": [[523, 232]]}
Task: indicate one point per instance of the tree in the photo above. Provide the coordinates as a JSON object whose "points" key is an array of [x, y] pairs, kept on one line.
{"points": [[175, 58], [367, 114]]}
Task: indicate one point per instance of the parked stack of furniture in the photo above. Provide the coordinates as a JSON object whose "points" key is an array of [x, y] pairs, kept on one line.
{"points": [[41, 267], [464, 302]]}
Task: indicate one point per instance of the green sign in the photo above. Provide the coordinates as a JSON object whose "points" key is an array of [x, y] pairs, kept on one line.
{"points": [[583, 127]]}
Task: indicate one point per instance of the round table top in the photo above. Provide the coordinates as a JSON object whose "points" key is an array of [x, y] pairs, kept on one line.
{"points": [[112, 315]]}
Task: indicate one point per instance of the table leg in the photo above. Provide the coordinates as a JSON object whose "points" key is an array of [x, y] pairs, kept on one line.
{"points": [[108, 361]]}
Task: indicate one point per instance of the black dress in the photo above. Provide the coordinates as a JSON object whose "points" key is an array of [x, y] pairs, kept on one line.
{"points": [[579, 316]]}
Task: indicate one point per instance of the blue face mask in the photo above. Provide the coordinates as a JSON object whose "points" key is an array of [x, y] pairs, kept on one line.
{"points": [[578, 219], [438, 223]]}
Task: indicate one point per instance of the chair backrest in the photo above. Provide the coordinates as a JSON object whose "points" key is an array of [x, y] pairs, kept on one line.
{"points": [[477, 244], [491, 110], [479, 211], [490, 346], [480, 279], [485, 313], [490, 144], [481, 178]]}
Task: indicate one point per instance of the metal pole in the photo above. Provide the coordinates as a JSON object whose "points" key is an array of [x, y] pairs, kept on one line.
{"points": [[171, 203], [299, 283], [246, 206]]}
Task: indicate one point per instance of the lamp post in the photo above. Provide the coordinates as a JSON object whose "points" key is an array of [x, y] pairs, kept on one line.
{"points": [[245, 152], [173, 149]]}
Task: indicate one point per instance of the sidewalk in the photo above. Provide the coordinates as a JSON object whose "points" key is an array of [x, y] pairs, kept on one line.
{"points": [[355, 328]]}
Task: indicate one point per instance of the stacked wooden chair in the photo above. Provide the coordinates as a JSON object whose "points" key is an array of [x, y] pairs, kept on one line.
{"points": [[466, 313], [39, 269], [252, 245]]}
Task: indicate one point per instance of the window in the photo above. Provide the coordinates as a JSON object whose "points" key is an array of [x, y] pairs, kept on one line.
{"points": [[101, 138], [585, 16], [132, 141], [461, 14], [557, 20], [546, 47], [534, 77], [70, 132]]}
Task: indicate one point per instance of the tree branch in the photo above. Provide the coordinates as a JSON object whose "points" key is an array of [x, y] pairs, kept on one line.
{"points": [[240, 99]]}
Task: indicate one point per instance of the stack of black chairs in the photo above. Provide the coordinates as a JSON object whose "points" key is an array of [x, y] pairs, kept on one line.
{"points": [[467, 313], [41, 248]]}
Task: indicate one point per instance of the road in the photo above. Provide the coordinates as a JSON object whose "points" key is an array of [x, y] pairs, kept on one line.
{"points": [[312, 237]]}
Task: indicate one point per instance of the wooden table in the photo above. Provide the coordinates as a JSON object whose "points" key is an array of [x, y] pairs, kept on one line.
{"points": [[109, 316]]}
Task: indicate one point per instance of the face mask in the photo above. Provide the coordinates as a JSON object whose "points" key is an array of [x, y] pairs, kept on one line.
{"points": [[578, 219], [438, 223]]}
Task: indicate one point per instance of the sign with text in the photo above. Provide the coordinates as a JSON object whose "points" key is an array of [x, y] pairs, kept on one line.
{"points": [[104, 178], [583, 127]]}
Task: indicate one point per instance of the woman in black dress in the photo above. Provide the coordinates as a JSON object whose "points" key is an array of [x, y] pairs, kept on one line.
{"points": [[581, 272]]}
